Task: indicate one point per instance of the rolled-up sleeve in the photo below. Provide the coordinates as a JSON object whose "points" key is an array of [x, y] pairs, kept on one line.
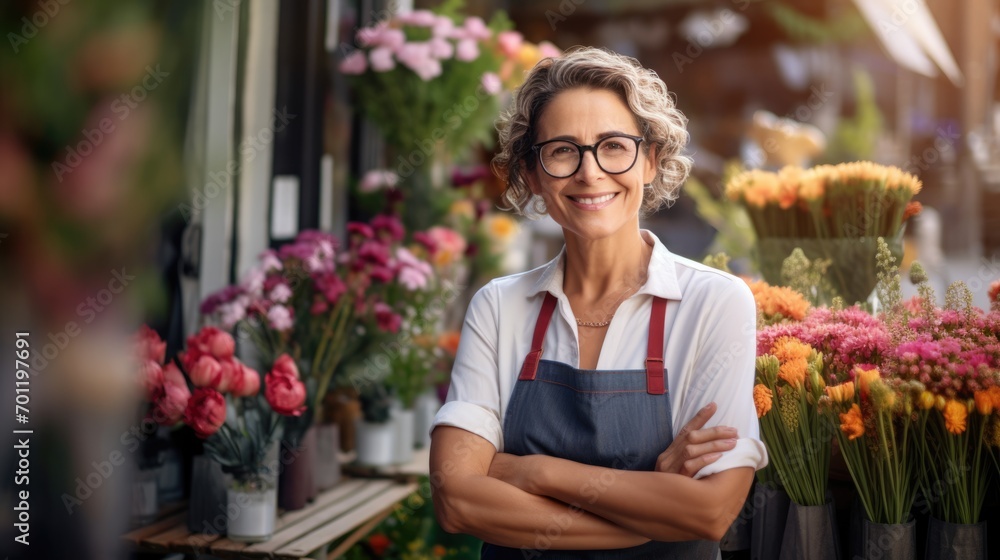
{"points": [[724, 372], [473, 402]]}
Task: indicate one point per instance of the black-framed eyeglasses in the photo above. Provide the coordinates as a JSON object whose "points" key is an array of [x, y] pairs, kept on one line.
{"points": [[614, 155]]}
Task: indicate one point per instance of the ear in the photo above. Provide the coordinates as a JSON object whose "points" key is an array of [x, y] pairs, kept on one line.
{"points": [[649, 166]]}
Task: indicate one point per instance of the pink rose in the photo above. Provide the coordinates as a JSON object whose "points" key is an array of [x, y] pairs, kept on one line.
{"points": [[510, 43], [205, 411], [467, 50], [149, 345], [381, 59], [205, 372], [151, 379], [285, 394], [354, 63], [248, 383], [285, 366]]}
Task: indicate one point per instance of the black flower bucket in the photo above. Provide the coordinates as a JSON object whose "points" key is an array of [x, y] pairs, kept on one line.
{"points": [[955, 541]]}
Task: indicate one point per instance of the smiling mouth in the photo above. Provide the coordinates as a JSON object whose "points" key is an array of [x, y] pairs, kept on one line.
{"points": [[593, 200]]}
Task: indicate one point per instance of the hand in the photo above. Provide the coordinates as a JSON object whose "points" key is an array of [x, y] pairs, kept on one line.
{"points": [[694, 447], [515, 470]]}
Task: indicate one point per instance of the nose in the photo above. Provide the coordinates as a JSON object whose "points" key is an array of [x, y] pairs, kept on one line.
{"points": [[589, 170]]}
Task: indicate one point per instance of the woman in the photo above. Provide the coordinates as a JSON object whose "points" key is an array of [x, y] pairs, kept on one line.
{"points": [[559, 438]]}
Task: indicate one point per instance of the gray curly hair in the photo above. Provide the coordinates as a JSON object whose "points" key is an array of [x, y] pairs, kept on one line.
{"points": [[660, 123]]}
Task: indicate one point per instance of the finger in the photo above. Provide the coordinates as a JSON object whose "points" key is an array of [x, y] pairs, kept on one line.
{"points": [[700, 418], [715, 432], [692, 466], [715, 446]]}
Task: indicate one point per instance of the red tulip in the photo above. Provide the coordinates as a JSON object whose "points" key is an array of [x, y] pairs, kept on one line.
{"points": [[151, 378], [205, 372], [285, 394], [150, 346], [173, 399], [249, 382], [205, 411], [285, 366], [229, 374]]}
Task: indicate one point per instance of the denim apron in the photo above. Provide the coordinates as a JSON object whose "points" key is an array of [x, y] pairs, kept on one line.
{"points": [[618, 419]]}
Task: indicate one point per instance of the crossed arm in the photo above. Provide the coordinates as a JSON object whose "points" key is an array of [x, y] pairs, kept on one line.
{"points": [[542, 502]]}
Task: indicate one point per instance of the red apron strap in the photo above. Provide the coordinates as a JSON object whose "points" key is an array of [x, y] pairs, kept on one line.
{"points": [[654, 352], [530, 366]]}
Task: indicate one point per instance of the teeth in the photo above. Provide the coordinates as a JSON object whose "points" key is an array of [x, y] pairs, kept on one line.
{"points": [[597, 200]]}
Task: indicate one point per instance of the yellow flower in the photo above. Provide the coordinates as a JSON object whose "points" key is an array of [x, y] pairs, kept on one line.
{"points": [[762, 398], [841, 393], [926, 400], [463, 208], [865, 377], [500, 227], [955, 414], [939, 402], [851, 423], [529, 55]]}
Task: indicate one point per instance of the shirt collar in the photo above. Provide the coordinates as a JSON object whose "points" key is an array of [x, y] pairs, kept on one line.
{"points": [[661, 279]]}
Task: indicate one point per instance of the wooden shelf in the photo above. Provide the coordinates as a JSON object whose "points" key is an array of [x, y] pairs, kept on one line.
{"points": [[351, 508]]}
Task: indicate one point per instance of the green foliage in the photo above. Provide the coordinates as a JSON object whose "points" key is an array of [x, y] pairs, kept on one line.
{"points": [[734, 233], [855, 137], [800, 27]]}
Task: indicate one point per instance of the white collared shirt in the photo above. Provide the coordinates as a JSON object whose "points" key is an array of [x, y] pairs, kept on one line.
{"points": [[710, 347]]}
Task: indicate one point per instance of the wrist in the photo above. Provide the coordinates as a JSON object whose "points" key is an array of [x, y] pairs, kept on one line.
{"points": [[538, 479]]}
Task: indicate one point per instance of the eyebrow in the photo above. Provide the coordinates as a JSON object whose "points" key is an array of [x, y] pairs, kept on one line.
{"points": [[600, 136]]}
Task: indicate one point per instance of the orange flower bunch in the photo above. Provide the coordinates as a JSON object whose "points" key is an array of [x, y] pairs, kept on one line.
{"points": [[847, 200], [776, 304], [872, 415], [790, 379]]}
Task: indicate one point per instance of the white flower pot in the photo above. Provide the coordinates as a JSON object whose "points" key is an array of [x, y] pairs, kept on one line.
{"points": [[426, 408], [251, 514], [403, 420], [375, 443]]}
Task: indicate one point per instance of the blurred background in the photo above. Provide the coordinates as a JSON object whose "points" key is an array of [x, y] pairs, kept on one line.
{"points": [[151, 150]]}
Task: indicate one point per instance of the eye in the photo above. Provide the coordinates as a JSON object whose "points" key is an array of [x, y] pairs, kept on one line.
{"points": [[613, 146]]}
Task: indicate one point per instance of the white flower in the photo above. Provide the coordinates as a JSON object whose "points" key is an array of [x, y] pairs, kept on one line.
{"points": [[491, 83], [378, 179], [253, 282], [280, 293], [280, 318], [269, 261]]}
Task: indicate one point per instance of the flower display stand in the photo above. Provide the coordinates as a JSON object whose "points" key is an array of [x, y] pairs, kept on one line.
{"points": [[347, 512]]}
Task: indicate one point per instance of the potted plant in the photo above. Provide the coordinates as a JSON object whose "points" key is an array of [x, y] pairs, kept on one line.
{"points": [[377, 434], [239, 427]]}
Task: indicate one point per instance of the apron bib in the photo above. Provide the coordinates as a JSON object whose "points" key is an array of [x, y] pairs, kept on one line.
{"points": [[618, 419]]}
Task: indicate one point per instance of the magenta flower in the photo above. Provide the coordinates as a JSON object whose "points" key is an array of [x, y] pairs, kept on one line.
{"points": [[389, 224], [386, 318]]}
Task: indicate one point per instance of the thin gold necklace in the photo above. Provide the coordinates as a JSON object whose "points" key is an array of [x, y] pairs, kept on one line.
{"points": [[606, 322]]}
